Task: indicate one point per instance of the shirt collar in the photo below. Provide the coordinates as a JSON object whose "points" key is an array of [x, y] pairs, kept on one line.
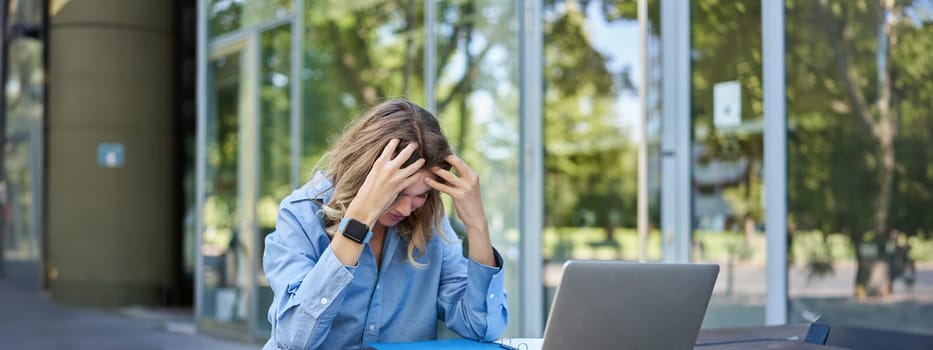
{"points": [[319, 189]]}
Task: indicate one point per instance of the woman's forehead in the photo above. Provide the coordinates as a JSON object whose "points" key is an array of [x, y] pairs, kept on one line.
{"points": [[419, 187]]}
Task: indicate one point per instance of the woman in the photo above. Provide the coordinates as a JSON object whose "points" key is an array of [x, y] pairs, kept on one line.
{"points": [[363, 252]]}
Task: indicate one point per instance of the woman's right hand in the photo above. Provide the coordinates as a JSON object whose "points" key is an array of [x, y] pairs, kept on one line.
{"points": [[386, 179]]}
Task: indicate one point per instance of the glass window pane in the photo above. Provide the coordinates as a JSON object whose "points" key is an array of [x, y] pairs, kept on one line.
{"points": [[221, 256], [274, 148], [26, 12], [24, 90], [860, 133], [225, 16], [727, 182], [356, 54], [592, 112], [477, 103]]}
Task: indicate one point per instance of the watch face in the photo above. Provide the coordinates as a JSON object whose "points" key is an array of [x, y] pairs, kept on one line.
{"points": [[353, 229]]}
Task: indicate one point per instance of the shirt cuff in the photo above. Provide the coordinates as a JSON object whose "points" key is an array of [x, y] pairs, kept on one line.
{"points": [[486, 280], [489, 283], [323, 284]]}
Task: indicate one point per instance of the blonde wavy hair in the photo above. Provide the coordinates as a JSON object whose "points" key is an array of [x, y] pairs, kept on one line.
{"points": [[354, 152]]}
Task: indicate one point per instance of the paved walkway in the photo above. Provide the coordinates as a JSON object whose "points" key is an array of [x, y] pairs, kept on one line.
{"points": [[30, 321]]}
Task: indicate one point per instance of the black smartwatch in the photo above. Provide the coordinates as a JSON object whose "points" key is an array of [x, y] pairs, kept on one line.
{"points": [[355, 230]]}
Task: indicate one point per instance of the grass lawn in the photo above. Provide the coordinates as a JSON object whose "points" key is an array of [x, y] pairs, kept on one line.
{"points": [[562, 243]]}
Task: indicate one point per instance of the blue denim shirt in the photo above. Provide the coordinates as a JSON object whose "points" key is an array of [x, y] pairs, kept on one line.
{"points": [[321, 304]]}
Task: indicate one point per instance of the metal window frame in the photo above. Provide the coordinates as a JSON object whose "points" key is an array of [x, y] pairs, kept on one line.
{"points": [[430, 54], [642, 196], [775, 159], [297, 107], [200, 153], [676, 194], [531, 168]]}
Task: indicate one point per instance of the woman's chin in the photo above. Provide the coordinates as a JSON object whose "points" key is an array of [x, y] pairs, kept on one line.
{"points": [[389, 221]]}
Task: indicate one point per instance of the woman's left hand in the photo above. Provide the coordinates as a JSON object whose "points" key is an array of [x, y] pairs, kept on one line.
{"points": [[464, 190]]}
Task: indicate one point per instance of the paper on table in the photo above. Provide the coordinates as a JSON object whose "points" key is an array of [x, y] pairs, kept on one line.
{"points": [[436, 344], [522, 343]]}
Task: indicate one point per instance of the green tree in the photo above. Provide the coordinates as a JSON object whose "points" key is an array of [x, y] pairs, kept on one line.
{"points": [[857, 91], [361, 52], [589, 160], [858, 109], [866, 40]]}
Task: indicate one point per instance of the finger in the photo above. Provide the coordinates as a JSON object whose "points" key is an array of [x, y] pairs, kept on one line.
{"points": [[412, 168], [406, 152], [438, 186], [447, 176], [458, 164], [389, 150]]}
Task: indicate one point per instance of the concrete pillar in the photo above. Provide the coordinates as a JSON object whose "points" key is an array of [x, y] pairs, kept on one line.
{"points": [[110, 230]]}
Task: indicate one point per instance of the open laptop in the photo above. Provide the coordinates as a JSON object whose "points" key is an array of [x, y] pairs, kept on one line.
{"points": [[629, 305]]}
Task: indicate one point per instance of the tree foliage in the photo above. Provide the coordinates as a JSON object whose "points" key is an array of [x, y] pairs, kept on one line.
{"points": [[858, 102], [846, 127], [837, 71], [854, 96], [357, 55], [590, 170]]}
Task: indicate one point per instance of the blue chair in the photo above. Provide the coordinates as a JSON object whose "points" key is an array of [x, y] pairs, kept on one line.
{"points": [[817, 334], [857, 338]]}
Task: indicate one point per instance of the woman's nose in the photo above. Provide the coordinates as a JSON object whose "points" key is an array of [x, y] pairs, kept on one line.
{"points": [[404, 205]]}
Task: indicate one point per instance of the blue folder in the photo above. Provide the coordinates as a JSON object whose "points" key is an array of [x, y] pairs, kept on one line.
{"points": [[437, 344]]}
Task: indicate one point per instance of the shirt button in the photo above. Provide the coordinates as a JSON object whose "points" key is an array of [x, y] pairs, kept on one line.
{"points": [[492, 296], [323, 300], [377, 286], [372, 328]]}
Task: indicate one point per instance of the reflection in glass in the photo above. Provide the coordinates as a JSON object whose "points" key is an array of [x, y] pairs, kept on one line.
{"points": [[591, 111], [225, 16], [653, 127], [274, 148], [477, 101], [859, 174], [20, 248], [357, 54], [221, 245], [727, 160]]}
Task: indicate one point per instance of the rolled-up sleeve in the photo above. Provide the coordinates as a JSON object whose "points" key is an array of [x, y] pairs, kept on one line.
{"points": [[472, 298], [306, 277]]}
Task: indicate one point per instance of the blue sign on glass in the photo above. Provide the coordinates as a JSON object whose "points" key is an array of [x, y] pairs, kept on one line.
{"points": [[110, 155]]}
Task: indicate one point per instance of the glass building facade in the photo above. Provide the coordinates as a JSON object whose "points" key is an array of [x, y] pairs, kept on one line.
{"points": [[22, 111], [786, 142]]}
